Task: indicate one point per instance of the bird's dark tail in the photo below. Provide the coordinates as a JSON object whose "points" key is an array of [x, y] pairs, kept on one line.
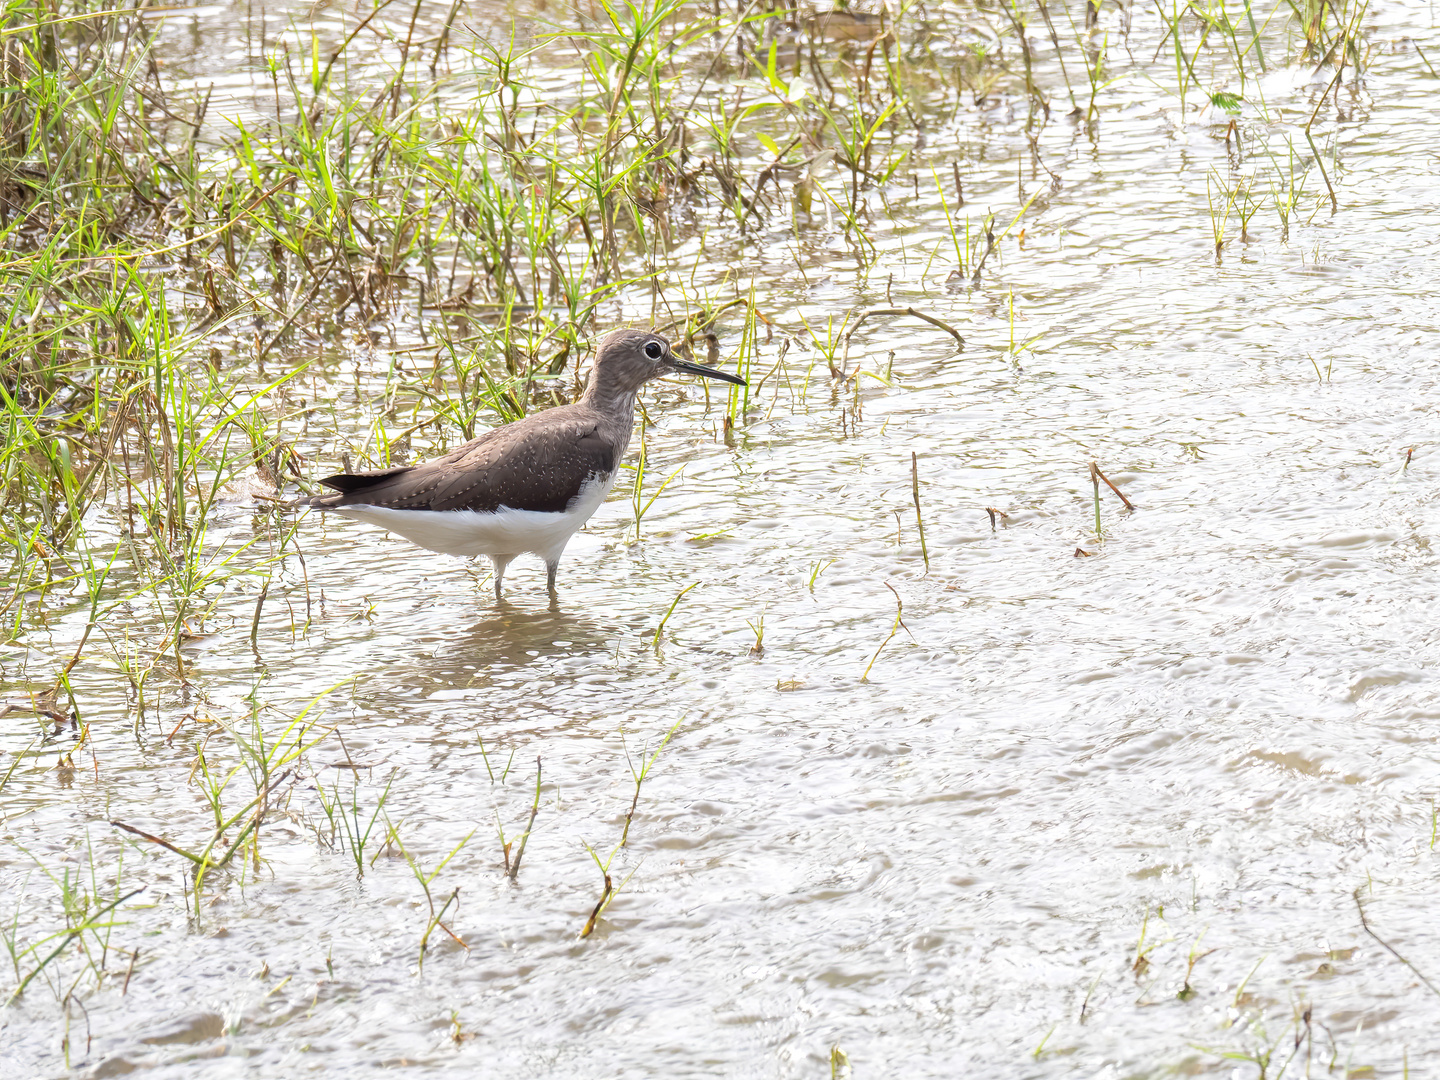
{"points": [[349, 485]]}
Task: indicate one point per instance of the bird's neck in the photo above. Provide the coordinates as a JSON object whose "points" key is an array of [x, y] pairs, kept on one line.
{"points": [[615, 409], [612, 400]]}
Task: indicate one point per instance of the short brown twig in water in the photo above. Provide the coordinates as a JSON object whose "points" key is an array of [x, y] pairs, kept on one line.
{"points": [[912, 312], [701, 321], [1096, 472], [155, 840], [129, 971]]}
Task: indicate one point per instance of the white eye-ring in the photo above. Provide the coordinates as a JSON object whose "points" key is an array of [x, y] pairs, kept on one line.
{"points": [[654, 350]]}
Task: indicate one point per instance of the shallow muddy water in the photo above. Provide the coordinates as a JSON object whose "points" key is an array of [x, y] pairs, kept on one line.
{"points": [[1102, 805]]}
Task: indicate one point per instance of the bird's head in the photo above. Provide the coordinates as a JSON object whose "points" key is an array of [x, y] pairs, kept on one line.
{"points": [[628, 359]]}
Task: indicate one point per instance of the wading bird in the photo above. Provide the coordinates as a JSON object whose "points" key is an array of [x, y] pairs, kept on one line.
{"points": [[526, 486]]}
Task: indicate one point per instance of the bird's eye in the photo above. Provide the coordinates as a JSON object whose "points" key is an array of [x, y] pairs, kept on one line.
{"points": [[654, 350]]}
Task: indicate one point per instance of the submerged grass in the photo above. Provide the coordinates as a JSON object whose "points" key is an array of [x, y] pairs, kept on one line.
{"points": [[610, 890], [185, 288]]}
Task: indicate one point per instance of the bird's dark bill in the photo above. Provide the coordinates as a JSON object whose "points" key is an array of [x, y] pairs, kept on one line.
{"points": [[684, 367]]}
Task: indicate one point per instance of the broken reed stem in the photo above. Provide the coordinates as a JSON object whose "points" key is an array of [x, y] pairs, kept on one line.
{"points": [[630, 814], [524, 839], [1095, 477], [504, 844], [919, 524], [1388, 947], [435, 920], [1095, 480], [255, 619], [1346, 34], [1128, 504], [589, 927], [135, 955], [1433, 73], [899, 622], [990, 244], [1324, 174], [75, 659]]}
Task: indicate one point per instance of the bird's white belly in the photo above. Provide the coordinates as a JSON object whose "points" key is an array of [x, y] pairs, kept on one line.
{"points": [[504, 532]]}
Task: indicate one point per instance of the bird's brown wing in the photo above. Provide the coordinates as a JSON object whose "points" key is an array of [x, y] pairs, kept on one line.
{"points": [[539, 463]]}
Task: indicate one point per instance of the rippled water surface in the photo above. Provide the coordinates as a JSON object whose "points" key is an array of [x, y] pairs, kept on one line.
{"points": [[1103, 806]]}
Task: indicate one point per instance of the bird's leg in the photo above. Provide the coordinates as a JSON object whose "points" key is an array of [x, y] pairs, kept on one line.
{"points": [[499, 562], [551, 565]]}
